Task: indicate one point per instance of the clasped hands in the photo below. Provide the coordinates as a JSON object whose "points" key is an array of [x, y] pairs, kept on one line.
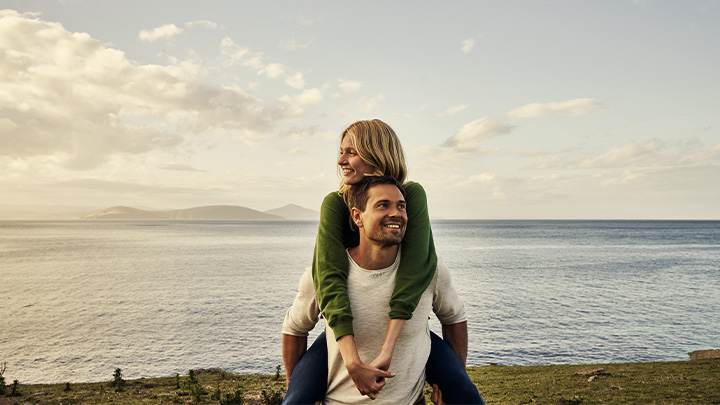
{"points": [[370, 378]]}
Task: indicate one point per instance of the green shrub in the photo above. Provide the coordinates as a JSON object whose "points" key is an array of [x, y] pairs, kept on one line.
{"points": [[118, 380], [15, 392], [3, 387], [273, 397], [233, 397], [67, 387], [193, 385], [277, 372]]}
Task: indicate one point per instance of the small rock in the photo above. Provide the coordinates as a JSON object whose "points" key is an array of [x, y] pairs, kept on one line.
{"points": [[595, 371], [593, 378]]}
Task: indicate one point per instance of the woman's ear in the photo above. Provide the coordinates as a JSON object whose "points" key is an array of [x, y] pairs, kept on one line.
{"points": [[355, 215]]}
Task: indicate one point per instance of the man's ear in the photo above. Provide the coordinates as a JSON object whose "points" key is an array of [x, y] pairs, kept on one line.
{"points": [[355, 215]]}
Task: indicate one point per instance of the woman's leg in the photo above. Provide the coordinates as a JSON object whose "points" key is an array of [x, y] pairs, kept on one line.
{"points": [[445, 369], [308, 382]]}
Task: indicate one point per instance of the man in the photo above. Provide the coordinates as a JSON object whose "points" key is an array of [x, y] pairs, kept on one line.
{"points": [[378, 210]]}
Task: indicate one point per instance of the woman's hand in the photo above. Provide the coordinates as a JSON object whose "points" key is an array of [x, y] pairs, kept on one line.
{"points": [[382, 361]]}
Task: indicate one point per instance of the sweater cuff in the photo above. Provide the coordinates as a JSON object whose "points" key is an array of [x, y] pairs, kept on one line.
{"points": [[342, 327], [401, 310]]}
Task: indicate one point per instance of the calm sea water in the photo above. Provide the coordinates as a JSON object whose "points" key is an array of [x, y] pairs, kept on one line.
{"points": [[79, 299]]}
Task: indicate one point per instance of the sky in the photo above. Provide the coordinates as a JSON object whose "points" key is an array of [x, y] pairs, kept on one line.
{"points": [[506, 110]]}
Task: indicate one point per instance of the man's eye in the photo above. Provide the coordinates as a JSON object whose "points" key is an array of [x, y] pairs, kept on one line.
{"points": [[401, 207]]}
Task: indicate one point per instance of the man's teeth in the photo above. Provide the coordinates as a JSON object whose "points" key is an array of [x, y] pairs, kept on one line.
{"points": [[395, 226]]}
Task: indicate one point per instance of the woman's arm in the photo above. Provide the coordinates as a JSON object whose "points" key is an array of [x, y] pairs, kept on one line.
{"points": [[417, 268], [418, 261], [330, 264]]}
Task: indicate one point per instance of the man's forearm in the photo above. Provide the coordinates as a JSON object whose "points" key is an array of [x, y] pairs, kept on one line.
{"points": [[457, 337], [293, 348]]}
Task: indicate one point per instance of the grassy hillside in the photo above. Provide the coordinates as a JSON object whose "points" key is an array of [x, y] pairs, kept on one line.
{"points": [[696, 382]]}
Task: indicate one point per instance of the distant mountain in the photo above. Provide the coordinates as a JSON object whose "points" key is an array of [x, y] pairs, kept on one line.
{"points": [[215, 212], [292, 211]]}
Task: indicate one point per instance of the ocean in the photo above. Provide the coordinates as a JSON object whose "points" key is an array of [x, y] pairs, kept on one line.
{"points": [[155, 298]]}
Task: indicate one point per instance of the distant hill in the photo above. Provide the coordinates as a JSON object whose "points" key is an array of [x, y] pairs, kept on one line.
{"points": [[292, 211], [214, 212]]}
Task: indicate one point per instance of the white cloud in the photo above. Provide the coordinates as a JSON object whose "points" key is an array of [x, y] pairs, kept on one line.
{"points": [[232, 51], [477, 179], [452, 110], [255, 61], [348, 86], [366, 105], [578, 106], [467, 45], [296, 105], [165, 31], [273, 70], [182, 167], [625, 155], [476, 131], [296, 81], [208, 25], [310, 132], [293, 45], [71, 98]]}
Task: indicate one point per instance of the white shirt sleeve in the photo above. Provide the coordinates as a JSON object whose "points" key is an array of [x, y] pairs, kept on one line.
{"points": [[447, 305], [304, 312]]}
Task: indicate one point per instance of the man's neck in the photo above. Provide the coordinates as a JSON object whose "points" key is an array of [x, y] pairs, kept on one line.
{"points": [[374, 257]]}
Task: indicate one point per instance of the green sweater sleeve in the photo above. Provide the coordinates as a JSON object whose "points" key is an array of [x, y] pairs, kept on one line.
{"points": [[418, 260], [330, 264]]}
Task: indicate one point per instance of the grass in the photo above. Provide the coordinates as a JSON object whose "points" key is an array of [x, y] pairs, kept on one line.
{"points": [[680, 382]]}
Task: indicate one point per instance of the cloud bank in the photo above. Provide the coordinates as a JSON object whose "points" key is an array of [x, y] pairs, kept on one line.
{"points": [[74, 99]]}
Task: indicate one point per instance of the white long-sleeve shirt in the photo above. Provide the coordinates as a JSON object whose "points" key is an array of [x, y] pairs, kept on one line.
{"points": [[369, 292]]}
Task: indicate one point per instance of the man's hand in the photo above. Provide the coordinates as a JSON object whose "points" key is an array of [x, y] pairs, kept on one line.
{"points": [[436, 396], [368, 380]]}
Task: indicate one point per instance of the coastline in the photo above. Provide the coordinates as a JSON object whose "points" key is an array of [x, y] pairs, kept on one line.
{"points": [[684, 382]]}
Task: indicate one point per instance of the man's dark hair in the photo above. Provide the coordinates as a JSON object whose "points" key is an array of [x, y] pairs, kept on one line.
{"points": [[357, 195]]}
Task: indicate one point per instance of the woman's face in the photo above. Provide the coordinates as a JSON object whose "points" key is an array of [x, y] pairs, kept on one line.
{"points": [[353, 169]]}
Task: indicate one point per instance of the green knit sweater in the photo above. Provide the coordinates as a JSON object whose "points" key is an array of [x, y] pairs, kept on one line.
{"points": [[330, 264]]}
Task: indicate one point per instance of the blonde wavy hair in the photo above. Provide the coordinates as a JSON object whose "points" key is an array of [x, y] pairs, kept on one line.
{"points": [[378, 146]]}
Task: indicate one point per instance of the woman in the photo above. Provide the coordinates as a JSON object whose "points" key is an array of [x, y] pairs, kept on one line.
{"points": [[367, 148]]}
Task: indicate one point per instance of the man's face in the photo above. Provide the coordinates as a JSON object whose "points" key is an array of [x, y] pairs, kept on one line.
{"points": [[384, 219]]}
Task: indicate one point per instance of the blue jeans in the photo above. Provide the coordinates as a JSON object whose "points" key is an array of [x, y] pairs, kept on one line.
{"points": [[308, 383]]}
